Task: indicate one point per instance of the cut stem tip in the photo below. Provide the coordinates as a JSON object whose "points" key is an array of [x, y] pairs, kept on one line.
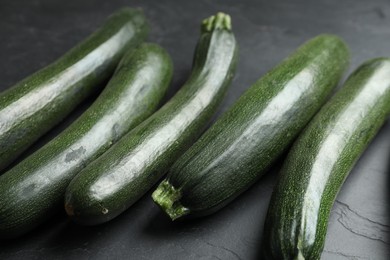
{"points": [[168, 199]]}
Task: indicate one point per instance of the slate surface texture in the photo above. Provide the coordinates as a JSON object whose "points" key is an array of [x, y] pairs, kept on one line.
{"points": [[34, 33]]}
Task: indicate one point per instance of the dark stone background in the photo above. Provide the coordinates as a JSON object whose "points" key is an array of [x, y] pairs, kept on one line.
{"points": [[36, 32]]}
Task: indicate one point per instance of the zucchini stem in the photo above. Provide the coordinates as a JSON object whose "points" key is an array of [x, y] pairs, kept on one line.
{"points": [[167, 197], [218, 21]]}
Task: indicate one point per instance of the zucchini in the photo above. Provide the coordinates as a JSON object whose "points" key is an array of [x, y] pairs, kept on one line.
{"points": [[33, 106], [238, 149], [115, 181], [32, 191], [321, 159]]}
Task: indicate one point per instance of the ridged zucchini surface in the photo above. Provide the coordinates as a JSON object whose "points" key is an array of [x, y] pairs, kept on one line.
{"points": [[320, 161], [132, 166], [33, 190], [246, 140], [34, 105]]}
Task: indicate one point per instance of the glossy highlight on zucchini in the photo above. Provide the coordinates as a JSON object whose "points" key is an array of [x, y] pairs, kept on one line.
{"points": [[321, 160], [246, 140], [34, 105], [34, 189], [111, 184]]}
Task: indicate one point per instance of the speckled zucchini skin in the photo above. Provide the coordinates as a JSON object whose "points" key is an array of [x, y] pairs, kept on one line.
{"points": [[320, 161], [239, 148], [34, 105], [34, 189], [111, 184]]}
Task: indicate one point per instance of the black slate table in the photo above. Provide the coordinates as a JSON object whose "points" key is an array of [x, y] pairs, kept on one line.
{"points": [[34, 33]]}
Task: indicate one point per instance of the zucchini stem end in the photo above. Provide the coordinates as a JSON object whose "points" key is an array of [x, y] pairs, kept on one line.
{"points": [[167, 198], [218, 21]]}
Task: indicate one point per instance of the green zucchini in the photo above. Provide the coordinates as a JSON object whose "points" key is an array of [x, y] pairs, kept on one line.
{"points": [[321, 159], [239, 148], [33, 106], [32, 191], [111, 184]]}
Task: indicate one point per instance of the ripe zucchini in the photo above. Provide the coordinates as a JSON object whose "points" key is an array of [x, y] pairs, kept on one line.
{"points": [[320, 161], [33, 106], [32, 190], [132, 166], [239, 148]]}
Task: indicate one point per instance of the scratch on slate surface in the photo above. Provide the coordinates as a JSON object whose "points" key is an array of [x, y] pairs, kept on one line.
{"points": [[360, 225], [224, 249], [349, 257], [193, 253]]}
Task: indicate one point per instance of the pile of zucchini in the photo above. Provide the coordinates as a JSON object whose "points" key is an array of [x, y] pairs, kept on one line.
{"points": [[122, 145]]}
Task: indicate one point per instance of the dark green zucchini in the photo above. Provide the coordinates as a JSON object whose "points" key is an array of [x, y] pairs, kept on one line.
{"points": [[32, 191], [34, 105], [238, 149], [320, 161], [111, 184]]}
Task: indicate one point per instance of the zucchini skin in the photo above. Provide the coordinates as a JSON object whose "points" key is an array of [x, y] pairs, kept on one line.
{"points": [[115, 181], [34, 105], [320, 161], [244, 142], [34, 189]]}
